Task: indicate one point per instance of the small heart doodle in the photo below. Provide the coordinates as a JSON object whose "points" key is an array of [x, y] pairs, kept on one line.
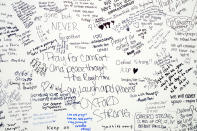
{"points": [[135, 70]]}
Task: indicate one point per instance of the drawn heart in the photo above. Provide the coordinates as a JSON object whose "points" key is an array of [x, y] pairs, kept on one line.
{"points": [[101, 27], [45, 85], [135, 70], [136, 25]]}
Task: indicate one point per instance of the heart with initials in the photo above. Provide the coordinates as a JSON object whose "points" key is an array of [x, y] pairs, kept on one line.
{"points": [[135, 70]]}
